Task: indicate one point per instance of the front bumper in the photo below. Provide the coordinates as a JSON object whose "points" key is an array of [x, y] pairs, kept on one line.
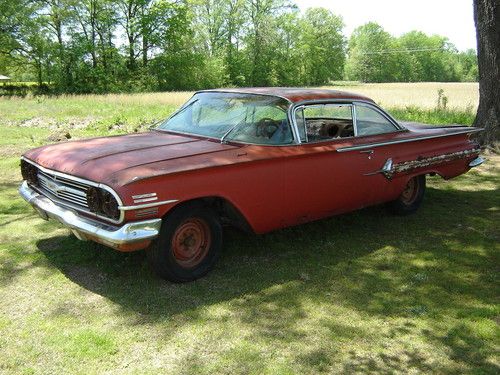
{"points": [[128, 237]]}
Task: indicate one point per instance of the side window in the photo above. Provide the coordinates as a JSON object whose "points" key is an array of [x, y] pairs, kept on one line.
{"points": [[267, 125], [370, 122], [322, 122]]}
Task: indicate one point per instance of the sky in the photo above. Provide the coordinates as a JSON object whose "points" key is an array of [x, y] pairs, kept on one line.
{"points": [[450, 18]]}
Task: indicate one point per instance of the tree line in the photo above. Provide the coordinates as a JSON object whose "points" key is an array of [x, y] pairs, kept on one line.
{"points": [[154, 45]]}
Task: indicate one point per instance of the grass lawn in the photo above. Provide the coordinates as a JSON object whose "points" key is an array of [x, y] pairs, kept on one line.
{"points": [[130, 112], [364, 292]]}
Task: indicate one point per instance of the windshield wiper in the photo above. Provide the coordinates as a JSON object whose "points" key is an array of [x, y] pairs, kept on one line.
{"points": [[223, 138]]}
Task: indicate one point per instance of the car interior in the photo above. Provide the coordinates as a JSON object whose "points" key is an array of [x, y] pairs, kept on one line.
{"points": [[323, 122], [264, 131], [319, 129]]}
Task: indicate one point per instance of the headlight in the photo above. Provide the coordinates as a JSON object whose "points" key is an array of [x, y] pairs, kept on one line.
{"points": [[94, 199], [110, 205], [29, 172], [102, 202]]}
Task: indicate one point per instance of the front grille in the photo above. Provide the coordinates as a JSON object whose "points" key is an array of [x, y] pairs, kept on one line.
{"points": [[66, 190], [74, 192]]}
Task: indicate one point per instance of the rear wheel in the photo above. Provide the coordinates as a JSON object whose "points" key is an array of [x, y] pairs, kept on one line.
{"points": [[411, 198], [189, 244]]}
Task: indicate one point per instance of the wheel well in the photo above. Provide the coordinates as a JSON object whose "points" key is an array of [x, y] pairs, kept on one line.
{"points": [[226, 211], [408, 177]]}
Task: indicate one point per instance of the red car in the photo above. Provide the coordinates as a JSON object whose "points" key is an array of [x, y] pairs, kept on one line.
{"points": [[260, 159]]}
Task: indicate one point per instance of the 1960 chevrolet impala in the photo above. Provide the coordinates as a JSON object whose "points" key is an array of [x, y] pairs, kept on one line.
{"points": [[260, 159]]}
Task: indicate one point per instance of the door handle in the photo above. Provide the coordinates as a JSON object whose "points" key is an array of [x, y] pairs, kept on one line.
{"points": [[369, 152]]}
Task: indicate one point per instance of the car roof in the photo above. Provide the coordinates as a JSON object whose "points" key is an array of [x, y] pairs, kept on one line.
{"points": [[294, 94]]}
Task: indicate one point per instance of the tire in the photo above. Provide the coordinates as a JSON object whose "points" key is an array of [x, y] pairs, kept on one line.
{"points": [[411, 198], [189, 244]]}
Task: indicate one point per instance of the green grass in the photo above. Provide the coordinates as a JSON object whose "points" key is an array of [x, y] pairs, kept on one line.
{"points": [[364, 292], [89, 112], [434, 116], [135, 112]]}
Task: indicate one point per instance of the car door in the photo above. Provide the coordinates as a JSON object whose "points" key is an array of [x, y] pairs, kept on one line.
{"points": [[321, 178], [375, 131]]}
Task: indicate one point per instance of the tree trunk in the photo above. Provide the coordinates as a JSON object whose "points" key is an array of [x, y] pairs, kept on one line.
{"points": [[93, 17], [487, 19], [145, 47], [38, 64], [131, 52]]}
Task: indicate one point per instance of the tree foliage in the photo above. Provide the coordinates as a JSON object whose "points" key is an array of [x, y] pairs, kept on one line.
{"points": [[376, 56], [139, 45]]}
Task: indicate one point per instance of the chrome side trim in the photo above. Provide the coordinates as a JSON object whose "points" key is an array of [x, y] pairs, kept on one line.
{"points": [[386, 143], [389, 168], [146, 212], [109, 234], [293, 123], [476, 162], [149, 195], [146, 205], [145, 200], [87, 182], [354, 116], [141, 198]]}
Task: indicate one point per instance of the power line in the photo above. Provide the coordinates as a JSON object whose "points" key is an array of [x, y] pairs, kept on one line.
{"points": [[401, 51]]}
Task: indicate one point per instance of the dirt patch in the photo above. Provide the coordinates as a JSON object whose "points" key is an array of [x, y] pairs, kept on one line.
{"points": [[37, 122], [59, 137], [50, 123], [8, 151], [78, 123]]}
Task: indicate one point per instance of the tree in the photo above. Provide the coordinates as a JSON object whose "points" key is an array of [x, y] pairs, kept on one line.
{"points": [[262, 15], [369, 58], [210, 24], [432, 57], [139, 45], [467, 66], [233, 58], [129, 19], [487, 19], [288, 52], [324, 46]]}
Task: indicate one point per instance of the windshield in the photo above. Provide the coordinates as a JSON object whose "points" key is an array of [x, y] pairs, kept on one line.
{"points": [[236, 117]]}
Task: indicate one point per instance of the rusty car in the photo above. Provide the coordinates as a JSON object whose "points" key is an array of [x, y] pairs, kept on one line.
{"points": [[260, 159]]}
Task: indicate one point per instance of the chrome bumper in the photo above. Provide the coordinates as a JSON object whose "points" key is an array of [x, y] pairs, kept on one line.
{"points": [[476, 162], [84, 228]]}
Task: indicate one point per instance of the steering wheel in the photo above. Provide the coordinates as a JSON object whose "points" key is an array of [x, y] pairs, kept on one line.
{"points": [[266, 127]]}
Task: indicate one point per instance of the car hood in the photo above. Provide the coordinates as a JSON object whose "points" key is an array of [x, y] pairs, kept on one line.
{"points": [[119, 160]]}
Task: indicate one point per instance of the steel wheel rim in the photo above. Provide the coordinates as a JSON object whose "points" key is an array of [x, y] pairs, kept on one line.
{"points": [[410, 192], [191, 242]]}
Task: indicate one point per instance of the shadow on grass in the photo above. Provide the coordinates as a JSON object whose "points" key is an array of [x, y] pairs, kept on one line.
{"points": [[440, 262]]}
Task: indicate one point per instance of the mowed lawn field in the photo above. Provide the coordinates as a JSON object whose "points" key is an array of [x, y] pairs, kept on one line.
{"points": [[364, 292]]}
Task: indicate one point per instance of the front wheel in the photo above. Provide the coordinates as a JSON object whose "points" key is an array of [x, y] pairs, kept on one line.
{"points": [[411, 198], [189, 244]]}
